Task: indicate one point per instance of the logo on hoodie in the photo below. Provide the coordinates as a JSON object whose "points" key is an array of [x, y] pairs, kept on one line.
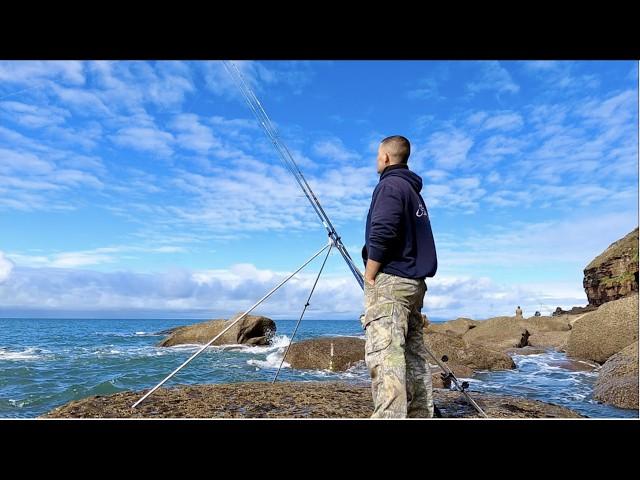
{"points": [[421, 212]]}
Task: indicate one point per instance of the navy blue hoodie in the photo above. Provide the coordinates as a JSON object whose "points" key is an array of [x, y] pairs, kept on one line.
{"points": [[398, 232]]}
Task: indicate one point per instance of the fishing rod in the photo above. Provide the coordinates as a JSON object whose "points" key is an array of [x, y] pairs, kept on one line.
{"points": [[306, 305], [231, 324], [292, 166]]}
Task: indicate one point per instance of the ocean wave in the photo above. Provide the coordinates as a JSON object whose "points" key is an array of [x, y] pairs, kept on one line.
{"points": [[120, 351], [550, 363], [31, 353], [355, 372], [270, 363], [278, 343], [128, 334]]}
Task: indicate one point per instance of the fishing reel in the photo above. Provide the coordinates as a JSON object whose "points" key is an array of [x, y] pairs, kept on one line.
{"points": [[447, 377]]}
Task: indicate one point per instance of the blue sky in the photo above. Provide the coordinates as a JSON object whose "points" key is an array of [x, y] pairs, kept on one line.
{"points": [[147, 188]]}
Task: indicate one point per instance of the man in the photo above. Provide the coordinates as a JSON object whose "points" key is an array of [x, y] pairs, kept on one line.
{"points": [[399, 253], [518, 312]]}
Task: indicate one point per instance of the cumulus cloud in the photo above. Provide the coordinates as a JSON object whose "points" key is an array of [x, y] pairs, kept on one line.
{"points": [[221, 293]]}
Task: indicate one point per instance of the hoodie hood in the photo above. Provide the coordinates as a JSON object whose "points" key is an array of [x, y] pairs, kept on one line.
{"points": [[403, 171]]}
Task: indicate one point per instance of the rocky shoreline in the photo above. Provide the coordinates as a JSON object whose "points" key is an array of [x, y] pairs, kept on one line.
{"points": [[288, 400], [605, 333]]}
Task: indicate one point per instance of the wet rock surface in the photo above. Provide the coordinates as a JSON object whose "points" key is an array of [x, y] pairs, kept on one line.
{"points": [[288, 400]]}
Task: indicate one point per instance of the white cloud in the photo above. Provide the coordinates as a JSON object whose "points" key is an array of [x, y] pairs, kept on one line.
{"points": [[436, 175], [616, 110], [82, 101], [28, 72], [500, 145], [494, 177], [541, 65], [334, 150], [493, 76], [145, 139], [129, 85], [38, 177], [257, 74], [573, 241], [504, 121], [448, 149], [426, 90], [14, 162], [462, 193], [96, 256], [33, 116], [6, 266], [220, 81], [561, 76], [193, 135], [216, 293]]}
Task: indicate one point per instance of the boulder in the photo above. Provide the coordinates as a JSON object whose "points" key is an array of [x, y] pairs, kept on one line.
{"points": [[289, 400], [316, 354], [555, 340], [528, 350], [251, 330], [614, 273], [460, 352], [574, 310], [600, 334], [545, 324], [499, 333], [617, 382], [459, 326]]}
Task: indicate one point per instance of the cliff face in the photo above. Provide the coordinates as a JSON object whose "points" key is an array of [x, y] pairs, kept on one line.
{"points": [[614, 273]]}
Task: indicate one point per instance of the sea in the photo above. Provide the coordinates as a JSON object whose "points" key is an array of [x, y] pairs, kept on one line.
{"points": [[45, 363]]}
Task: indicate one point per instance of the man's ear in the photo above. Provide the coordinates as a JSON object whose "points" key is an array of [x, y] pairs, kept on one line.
{"points": [[387, 159]]}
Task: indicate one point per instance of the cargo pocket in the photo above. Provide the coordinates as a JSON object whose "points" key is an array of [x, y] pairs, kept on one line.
{"points": [[378, 322]]}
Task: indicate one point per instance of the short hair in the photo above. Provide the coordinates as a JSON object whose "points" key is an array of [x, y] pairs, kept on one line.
{"points": [[399, 147]]}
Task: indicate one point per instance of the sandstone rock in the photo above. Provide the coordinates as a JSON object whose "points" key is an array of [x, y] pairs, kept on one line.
{"points": [[315, 353], [600, 334], [527, 350], [555, 340], [499, 333], [617, 382], [545, 324], [614, 273], [459, 326], [460, 352], [574, 311], [251, 330], [289, 400]]}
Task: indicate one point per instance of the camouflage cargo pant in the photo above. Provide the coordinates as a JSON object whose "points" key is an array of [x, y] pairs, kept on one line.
{"points": [[395, 353]]}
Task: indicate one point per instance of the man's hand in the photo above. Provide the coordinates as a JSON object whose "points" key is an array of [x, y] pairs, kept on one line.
{"points": [[371, 271]]}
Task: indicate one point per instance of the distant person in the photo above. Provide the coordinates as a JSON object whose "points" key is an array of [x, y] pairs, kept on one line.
{"points": [[537, 314], [518, 312]]}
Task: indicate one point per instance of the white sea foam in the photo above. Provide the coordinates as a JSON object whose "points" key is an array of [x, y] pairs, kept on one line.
{"points": [[279, 343], [271, 362], [31, 353]]}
